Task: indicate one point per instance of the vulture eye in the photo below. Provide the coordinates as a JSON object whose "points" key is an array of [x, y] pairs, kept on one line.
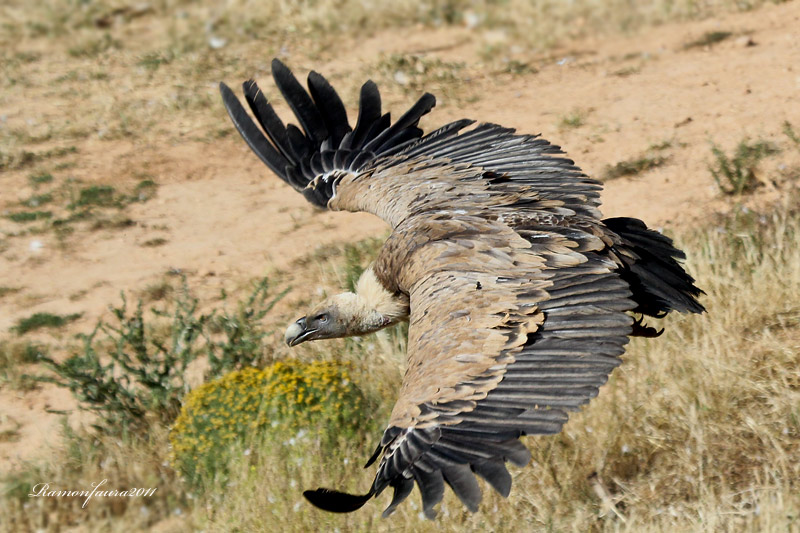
{"points": [[321, 318]]}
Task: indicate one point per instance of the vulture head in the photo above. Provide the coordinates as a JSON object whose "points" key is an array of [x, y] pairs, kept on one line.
{"points": [[368, 309]]}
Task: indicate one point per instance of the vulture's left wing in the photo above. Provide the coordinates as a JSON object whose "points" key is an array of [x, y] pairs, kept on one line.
{"points": [[507, 334]]}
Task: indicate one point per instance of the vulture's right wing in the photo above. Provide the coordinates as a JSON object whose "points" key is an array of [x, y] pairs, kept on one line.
{"points": [[506, 336], [327, 156], [326, 146]]}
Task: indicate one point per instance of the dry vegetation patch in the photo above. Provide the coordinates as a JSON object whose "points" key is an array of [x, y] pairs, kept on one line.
{"points": [[698, 430]]}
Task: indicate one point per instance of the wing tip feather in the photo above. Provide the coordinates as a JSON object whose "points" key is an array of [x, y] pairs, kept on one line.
{"points": [[335, 501]]}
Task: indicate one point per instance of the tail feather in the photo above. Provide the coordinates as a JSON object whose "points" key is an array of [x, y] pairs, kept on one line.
{"points": [[650, 265]]}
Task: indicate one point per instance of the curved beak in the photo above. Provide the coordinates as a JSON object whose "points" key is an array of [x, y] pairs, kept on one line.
{"points": [[297, 332]]}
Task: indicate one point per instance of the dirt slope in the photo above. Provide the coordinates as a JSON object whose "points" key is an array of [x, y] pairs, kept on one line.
{"points": [[219, 217]]}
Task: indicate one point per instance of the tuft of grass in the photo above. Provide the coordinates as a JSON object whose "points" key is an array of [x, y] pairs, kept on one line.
{"points": [[144, 190], [14, 356], [152, 61], [736, 174], [5, 291], [416, 73], [663, 145], [40, 178], [24, 158], [9, 433], [44, 320], [26, 56], [709, 38], [29, 216], [627, 71], [108, 196], [114, 222], [519, 68], [38, 200], [157, 291], [96, 195], [632, 167], [574, 119], [152, 243], [788, 130], [93, 47]]}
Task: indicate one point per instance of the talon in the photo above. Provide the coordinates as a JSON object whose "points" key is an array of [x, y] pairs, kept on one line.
{"points": [[640, 329]]}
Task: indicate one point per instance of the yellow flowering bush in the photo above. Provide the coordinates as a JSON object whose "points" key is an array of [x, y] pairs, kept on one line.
{"points": [[242, 407]]}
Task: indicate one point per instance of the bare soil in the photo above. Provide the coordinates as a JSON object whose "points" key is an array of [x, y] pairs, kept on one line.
{"points": [[224, 219]]}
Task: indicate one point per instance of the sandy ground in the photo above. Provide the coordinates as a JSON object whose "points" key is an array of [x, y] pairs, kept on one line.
{"points": [[226, 220]]}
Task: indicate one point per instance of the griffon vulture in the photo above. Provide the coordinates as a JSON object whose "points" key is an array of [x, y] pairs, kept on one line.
{"points": [[517, 293]]}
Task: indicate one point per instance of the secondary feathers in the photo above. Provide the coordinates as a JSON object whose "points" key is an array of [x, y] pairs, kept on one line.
{"points": [[517, 293]]}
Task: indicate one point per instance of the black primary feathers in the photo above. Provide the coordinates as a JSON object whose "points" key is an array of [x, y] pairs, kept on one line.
{"points": [[326, 142]]}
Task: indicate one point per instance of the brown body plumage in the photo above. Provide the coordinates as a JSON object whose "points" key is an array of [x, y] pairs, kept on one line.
{"points": [[517, 293]]}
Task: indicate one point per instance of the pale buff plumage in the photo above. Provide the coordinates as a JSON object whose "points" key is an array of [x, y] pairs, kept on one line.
{"points": [[372, 296], [348, 314]]}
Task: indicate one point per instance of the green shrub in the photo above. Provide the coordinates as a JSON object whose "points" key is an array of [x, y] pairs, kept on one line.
{"points": [[242, 407], [737, 174], [134, 372]]}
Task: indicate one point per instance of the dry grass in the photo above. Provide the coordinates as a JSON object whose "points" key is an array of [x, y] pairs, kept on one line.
{"points": [[699, 430], [199, 24], [79, 461], [110, 57]]}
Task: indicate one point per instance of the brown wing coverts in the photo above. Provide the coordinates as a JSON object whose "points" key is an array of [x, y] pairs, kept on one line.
{"points": [[558, 368], [525, 164]]}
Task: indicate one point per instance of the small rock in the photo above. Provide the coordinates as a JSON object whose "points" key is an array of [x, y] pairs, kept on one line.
{"points": [[471, 20], [744, 41], [217, 42], [401, 78]]}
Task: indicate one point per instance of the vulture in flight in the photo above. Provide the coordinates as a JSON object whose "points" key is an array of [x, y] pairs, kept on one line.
{"points": [[517, 293]]}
